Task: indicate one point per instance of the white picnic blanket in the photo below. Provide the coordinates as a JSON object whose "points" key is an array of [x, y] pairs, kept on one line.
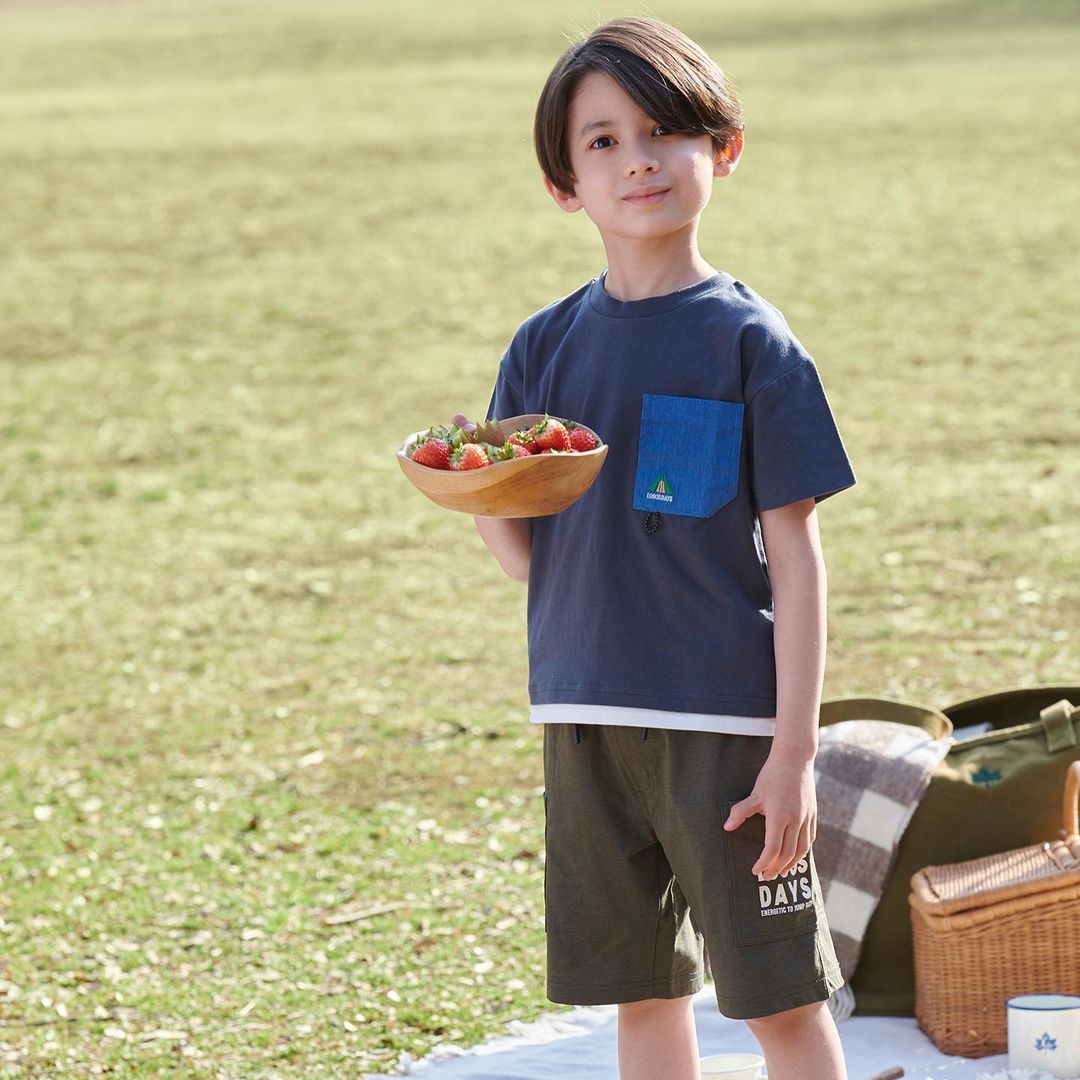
{"points": [[580, 1044]]}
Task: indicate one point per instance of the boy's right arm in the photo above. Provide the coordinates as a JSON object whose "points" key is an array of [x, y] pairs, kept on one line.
{"points": [[510, 541]]}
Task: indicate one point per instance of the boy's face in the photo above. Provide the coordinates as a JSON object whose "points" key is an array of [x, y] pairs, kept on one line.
{"points": [[631, 152]]}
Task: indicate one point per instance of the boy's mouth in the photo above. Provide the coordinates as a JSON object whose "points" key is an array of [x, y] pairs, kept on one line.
{"points": [[647, 195]]}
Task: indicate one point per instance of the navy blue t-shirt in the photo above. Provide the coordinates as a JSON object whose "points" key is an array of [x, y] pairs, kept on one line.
{"points": [[713, 412]]}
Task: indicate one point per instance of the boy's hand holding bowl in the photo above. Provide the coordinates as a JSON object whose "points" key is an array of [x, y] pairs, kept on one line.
{"points": [[526, 466]]}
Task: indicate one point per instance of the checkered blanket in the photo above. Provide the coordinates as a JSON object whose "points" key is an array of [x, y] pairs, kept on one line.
{"points": [[870, 776]]}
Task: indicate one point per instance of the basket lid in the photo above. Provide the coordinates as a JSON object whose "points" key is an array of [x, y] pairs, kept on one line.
{"points": [[978, 883]]}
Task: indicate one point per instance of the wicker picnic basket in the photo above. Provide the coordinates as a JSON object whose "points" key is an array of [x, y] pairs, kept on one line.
{"points": [[988, 929]]}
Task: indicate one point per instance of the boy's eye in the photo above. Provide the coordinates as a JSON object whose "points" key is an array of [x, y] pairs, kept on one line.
{"points": [[659, 127]]}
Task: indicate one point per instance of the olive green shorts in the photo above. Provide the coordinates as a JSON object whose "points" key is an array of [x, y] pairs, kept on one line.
{"points": [[641, 876]]}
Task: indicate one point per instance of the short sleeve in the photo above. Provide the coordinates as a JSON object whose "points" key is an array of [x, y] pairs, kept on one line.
{"points": [[795, 449], [508, 396]]}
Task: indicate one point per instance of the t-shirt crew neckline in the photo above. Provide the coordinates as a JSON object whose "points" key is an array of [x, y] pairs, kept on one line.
{"points": [[602, 301]]}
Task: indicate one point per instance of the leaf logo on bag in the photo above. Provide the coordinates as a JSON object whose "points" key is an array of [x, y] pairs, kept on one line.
{"points": [[985, 776]]}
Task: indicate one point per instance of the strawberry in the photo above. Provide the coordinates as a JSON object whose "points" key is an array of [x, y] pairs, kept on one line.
{"points": [[549, 434], [469, 456], [507, 452], [433, 452], [519, 439], [580, 439]]}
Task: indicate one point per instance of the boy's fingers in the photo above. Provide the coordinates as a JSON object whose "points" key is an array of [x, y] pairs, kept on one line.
{"points": [[790, 854], [774, 841], [806, 841], [740, 812], [802, 848]]}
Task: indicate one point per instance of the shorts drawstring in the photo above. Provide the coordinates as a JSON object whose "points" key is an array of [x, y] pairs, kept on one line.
{"points": [[577, 733]]}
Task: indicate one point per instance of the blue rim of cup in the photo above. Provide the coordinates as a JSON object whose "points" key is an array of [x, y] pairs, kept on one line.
{"points": [[1044, 1002]]}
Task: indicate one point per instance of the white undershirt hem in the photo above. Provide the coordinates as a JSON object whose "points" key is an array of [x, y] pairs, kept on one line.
{"points": [[570, 713]]}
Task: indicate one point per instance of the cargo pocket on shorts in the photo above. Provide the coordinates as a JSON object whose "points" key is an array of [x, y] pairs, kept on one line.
{"points": [[688, 454], [766, 911]]}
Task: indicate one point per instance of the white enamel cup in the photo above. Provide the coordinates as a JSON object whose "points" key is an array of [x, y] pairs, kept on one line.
{"points": [[1044, 1033], [733, 1067]]}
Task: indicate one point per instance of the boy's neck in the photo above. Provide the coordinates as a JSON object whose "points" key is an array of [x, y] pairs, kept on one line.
{"points": [[640, 269]]}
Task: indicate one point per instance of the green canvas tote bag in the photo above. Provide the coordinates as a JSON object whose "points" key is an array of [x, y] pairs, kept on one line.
{"points": [[991, 793]]}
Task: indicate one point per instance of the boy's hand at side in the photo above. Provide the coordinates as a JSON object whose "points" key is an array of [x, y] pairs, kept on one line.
{"points": [[785, 794]]}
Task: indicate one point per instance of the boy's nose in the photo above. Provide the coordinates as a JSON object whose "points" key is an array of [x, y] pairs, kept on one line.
{"points": [[641, 164], [641, 158]]}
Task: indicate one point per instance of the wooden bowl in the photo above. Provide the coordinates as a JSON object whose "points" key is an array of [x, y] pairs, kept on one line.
{"points": [[534, 486]]}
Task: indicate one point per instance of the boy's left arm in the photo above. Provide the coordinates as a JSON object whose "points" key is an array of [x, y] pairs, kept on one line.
{"points": [[784, 791]]}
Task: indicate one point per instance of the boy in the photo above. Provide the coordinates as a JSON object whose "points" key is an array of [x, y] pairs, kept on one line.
{"points": [[676, 612]]}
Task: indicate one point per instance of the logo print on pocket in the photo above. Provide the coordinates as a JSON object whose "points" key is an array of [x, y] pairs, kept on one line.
{"points": [[785, 897], [661, 490]]}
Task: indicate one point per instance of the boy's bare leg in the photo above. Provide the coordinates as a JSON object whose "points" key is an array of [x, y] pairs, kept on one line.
{"points": [[658, 1040], [800, 1044]]}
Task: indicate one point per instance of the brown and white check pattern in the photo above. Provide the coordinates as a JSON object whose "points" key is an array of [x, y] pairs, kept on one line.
{"points": [[870, 776]]}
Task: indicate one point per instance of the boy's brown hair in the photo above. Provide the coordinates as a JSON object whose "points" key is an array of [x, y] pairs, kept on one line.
{"points": [[671, 78]]}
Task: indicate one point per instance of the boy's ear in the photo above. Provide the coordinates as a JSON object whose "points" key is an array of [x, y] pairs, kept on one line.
{"points": [[569, 203], [726, 159]]}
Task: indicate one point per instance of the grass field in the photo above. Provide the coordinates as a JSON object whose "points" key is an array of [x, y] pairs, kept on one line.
{"points": [[270, 803]]}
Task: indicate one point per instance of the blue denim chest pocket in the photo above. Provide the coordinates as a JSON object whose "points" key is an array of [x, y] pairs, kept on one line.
{"points": [[688, 454]]}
